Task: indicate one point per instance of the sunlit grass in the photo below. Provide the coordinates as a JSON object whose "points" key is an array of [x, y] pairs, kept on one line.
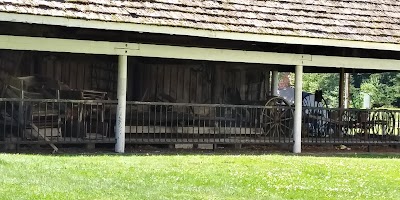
{"points": [[198, 177]]}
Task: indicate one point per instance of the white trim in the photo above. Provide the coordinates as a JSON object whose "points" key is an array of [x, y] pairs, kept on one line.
{"points": [[274, 83], [61, 21], [192, 53], [121, 107], [298, 108]]}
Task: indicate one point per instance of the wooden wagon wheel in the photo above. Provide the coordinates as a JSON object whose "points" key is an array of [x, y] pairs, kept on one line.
{"points": [[383, 123], [354, 122], [277, 118], [318, 110]]}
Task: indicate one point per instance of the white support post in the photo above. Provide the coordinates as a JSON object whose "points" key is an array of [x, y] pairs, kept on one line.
{"points": [[298, 108], [346, 90], [121, 108], [274, 83]]}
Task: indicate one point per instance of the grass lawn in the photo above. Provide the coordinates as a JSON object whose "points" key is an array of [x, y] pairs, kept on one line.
{"points": [[198, 177]]}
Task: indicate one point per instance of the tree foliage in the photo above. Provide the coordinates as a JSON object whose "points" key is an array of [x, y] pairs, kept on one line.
{"points": [[328, 83], [384, 88]]}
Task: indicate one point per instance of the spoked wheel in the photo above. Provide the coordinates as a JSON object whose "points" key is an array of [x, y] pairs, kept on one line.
{"points": [[277, 118], [383, 123]]}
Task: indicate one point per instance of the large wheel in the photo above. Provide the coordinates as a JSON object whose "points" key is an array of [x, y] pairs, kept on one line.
{"points": [[383, 123], [356, 122], [316, 115], [277, 118]]}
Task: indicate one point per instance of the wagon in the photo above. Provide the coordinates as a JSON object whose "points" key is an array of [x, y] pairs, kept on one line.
{"points": [[322, 122], [277, 118], [42, 119]]}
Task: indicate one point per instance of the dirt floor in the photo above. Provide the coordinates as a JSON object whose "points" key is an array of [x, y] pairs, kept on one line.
{"points": [[220, 149]]}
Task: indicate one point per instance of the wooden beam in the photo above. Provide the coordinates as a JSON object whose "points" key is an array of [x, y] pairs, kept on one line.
{"points": [[37, 133], [193, 130], [192, 53], [132, 27]]}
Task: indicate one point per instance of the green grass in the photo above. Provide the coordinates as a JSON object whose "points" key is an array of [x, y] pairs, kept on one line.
{"points": [[198, 177]]}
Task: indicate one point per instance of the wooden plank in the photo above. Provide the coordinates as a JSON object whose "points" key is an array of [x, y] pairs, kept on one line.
{"points": [[243, 85], [85, 75], [151, 71], [225, 140], [38, 134], [193, 130], [173, 81], [180, 84], [192, 86], [186, 90], [166, 73], [192, 53], [217, 85], [199, 88], [79, 76], [56, 70], [158, 76]]}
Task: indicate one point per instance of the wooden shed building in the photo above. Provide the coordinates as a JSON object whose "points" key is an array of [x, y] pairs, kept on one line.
{"points": [[183, 71]]}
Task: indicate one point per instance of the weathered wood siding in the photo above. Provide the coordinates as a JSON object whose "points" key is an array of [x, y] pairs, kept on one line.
{"points": [[148, 79], [184, 83], [200, 83], [77, 71]]}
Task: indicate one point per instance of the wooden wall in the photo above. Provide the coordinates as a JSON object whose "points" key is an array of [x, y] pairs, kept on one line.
{"points": [[200, 82], [148, 79], [77, 71], [82, 72], [184, 83]]}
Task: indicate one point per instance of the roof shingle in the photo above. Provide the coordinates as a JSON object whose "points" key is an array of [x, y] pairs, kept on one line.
{"points": [[357, 20]]}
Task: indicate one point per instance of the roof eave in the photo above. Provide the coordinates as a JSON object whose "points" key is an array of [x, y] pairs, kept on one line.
{"points": [[103, 25]]}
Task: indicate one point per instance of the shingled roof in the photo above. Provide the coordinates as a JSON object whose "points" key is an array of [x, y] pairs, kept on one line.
{"points": [[354, 20]]}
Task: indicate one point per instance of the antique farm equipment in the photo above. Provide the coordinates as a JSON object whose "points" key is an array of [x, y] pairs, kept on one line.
{"points": [[84, 119], [39, 120], [277, 118], [321, 122], [50, 120], [274, 119], [314, 109], [365, 122]]}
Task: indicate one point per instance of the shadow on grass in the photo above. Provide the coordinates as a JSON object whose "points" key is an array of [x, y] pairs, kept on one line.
{"points": [[71, 152]]}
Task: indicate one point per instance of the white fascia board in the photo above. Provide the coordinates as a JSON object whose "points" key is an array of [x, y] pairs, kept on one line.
{"points": [[95, 24], [192, 53]]}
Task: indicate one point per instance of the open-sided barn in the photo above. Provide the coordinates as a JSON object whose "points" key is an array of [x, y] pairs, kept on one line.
{"points": [[183, 71]]}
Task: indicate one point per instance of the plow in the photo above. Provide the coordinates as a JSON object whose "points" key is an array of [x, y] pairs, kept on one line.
{"points": [[48, 121]]}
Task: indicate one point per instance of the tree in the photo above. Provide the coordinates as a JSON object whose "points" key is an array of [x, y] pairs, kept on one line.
{"points": [[384, 88], [328, 83]]}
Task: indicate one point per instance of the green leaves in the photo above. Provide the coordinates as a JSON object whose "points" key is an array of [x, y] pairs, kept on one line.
{"points": [[384, 88], [328, 83]]}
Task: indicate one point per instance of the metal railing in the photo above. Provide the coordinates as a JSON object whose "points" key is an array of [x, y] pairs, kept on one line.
{"points": [[26, 121], [207, 123], [351, 126]]}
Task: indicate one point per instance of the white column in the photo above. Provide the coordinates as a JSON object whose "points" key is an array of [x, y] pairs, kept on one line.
{"points": [[274, 83], [121, 108], [346, 90], [298, 108]]}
